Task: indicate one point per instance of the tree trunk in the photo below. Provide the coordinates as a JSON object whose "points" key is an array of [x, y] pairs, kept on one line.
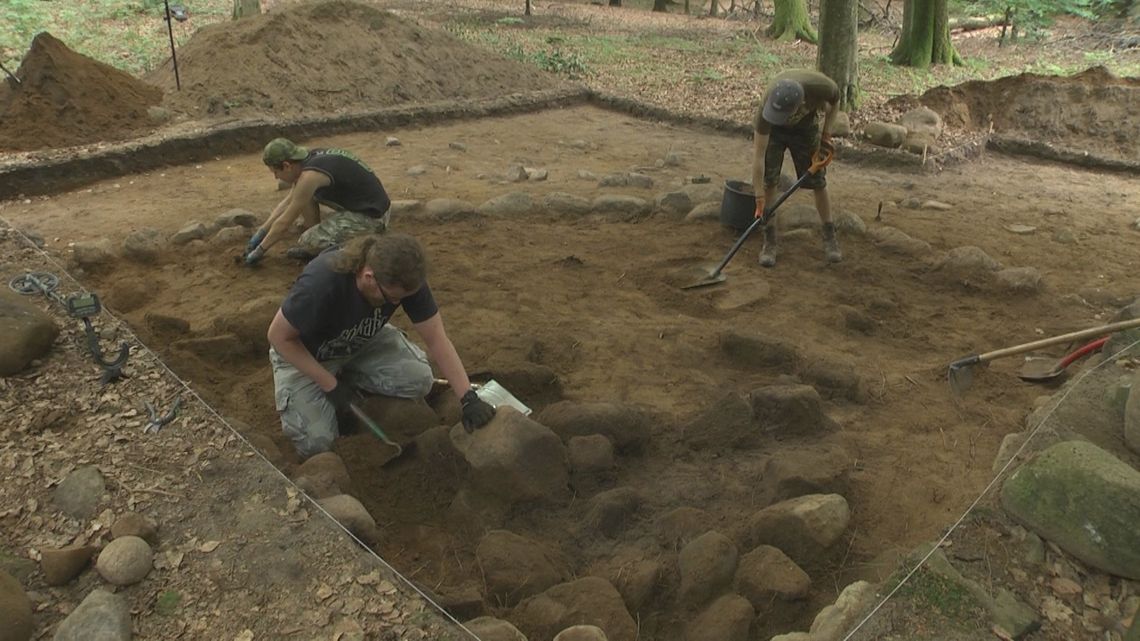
{"points": [[838, 47], [615, 3], [792, 22], [243, 8], [660, 5], [527, 12], [712, 8], [925, 38]]}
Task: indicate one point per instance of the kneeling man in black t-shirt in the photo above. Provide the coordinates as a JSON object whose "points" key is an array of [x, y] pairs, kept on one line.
{"points": [[331, 337]]}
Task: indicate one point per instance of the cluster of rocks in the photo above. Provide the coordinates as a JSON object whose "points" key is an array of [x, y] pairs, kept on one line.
{"points": [[123, 557], [916, 131], [147, 245], [972, 268]]}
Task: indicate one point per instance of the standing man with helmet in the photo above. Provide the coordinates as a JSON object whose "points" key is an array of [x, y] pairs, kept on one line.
{"points": [[788, 118]]}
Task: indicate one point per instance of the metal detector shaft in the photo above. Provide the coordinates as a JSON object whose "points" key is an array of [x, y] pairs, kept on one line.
{"points": [[173, 55]]}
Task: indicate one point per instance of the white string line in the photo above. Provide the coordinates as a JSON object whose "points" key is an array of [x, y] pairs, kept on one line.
{"points": [[211, 410], [1074, 385]]}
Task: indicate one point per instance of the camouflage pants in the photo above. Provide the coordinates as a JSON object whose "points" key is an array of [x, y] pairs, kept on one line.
{"points": [[339, 227], [389, 364]]}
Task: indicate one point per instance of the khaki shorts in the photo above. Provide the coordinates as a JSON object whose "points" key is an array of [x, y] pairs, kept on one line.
{"points": [[801, 142]]}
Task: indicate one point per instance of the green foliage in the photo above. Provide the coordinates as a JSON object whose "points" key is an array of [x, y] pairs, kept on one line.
{"points": [[167, 603], [1031, 17], [707, 75], [555, 61]]}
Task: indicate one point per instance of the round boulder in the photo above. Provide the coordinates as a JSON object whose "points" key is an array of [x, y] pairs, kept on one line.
{"points": [[125, 561], [707, 565]]}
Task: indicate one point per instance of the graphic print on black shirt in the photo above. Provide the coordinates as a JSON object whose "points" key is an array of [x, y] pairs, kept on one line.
{"points": [[334, 318]]}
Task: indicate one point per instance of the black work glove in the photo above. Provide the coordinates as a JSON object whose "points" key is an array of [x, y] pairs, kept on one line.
{"points": [[341, 396], [476, 411]]}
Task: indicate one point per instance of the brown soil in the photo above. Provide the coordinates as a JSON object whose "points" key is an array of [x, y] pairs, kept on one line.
{"points": [[65, 98], [331, 57], [1092, 111], [595, 303]]}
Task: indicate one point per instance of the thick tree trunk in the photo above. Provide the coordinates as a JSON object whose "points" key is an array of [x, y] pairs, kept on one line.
{"points": [[792, 22], [925, 38], [527, 12], [615, 3], [660, 5], [243, 8], [838, 48]]}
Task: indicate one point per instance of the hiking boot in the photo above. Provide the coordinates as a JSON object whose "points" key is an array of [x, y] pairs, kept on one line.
{"points": [[831, 244], [768, 253], [300, 253]]}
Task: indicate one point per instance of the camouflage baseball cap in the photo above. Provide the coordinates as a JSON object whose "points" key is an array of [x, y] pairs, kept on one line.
{"points": [[281, 149], [782, 101]]}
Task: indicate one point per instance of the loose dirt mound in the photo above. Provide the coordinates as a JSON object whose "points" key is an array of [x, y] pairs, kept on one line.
{"points": [[65, 98], [330, 57], [1093, 111]]}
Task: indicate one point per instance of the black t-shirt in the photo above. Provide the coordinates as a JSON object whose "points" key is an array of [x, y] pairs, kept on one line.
{"points": [[353, 186], [334, 318]]}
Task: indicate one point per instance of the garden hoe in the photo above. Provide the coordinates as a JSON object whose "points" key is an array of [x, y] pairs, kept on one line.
{"points": [[715, 275], [961, 373]]}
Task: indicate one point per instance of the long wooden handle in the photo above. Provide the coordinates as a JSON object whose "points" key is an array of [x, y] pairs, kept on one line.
{"points": [[1058, 340]]}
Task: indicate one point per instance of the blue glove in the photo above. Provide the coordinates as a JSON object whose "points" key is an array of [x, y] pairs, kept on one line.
{"points": [[256, 240], [254, 257]]}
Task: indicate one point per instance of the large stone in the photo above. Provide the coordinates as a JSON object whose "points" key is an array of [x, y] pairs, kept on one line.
{"points": [[62, 565], [101, 616], [920, 143], [492, 629], [707, 565], [729, 618], [515, 459], [835, 620], [803, 528], [701, 194], [626, 426], [230, 236], [564, 205], [835, 377], [967, 265], [26, 333], [350, 513], [143, 245], [15, 610], [798, 216], [90, 254], [448, 209], [621, 209], [1021, 280], [637, 582], [724, 424], [757, 351], [1083, 499], [587, 601], [400, 208], [895, 241], [516, 203], [766, 574], [922, 120], [1010, 614], [707, 211], [191, 231], [643, 181], [591, 462], [674, 204], [611, 510], [841, 126], [515, 567], [790, 410], [236, 218], [582, 633], [134, 524], [125, 561], [1132, 413], [814, 469], [677, 527], [79, 494], [324, 475], [850, 222], [884, 134]]}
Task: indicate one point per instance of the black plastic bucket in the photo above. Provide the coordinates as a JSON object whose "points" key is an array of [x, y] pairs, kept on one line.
{"points": [[738, 206]]}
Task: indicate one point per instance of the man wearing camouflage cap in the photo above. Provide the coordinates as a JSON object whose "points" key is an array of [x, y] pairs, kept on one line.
{"points": [[334, 178], [788, 118]]}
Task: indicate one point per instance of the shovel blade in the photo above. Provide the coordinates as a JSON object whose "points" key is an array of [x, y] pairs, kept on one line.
{"points": [[706, 278], [1040, 370]]}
